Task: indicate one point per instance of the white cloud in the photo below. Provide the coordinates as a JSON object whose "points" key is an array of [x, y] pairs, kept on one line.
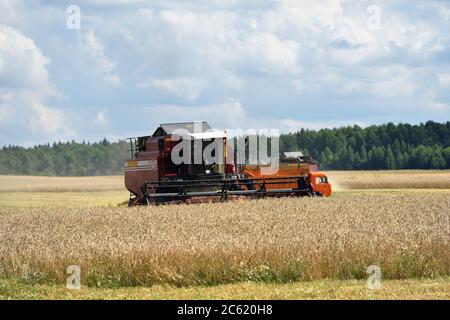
{"points": [[437, 106], [25, 89], [233, 81], [22, 63], [444, 79], [229, 114], [186, 88], [398, 86], [281, 59], [11, 11], [6, 110], [442, 10], [270, 54], [101, 118], [292, 39], [96, 52], [298, 15], [49, 121]]}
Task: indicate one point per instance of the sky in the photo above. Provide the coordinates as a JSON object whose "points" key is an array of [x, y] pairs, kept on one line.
{"points": [[90, 69]]}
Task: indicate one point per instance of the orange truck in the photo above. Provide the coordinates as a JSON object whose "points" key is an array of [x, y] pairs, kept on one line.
{"points": [[295, 164], [152, 175]]}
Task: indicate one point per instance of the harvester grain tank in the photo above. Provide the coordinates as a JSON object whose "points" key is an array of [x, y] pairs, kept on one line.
{"points": [[152, 175]]}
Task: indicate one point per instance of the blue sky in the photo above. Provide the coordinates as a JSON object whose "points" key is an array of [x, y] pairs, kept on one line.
{"points": [[133, 64]]}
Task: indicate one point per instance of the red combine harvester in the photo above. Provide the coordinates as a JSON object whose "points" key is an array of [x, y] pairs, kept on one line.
{"points": [[153, 177]]}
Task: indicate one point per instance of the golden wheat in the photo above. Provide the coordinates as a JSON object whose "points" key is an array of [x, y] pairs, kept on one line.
{"points": [[60, 184], [402, 179], [279, 240]]}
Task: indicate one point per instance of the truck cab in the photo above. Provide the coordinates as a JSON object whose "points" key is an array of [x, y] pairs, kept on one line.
{"points": [[320, 184]]}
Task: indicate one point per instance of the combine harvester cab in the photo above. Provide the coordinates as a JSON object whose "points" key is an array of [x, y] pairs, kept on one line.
{"points": [[152, 175]]}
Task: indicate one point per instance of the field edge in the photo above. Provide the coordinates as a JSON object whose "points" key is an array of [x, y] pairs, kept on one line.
{"points": [[410, 289]]}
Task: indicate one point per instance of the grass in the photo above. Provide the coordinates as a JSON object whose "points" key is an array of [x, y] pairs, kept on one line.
{"points": [[323, 289]]}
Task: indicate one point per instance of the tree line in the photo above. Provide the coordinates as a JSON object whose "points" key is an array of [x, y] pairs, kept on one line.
{"points": [[65, 159], [389, 146]]}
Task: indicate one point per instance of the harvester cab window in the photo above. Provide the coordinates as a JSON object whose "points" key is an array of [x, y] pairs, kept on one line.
{"points": [[322, 180], [207, 166], [136, 146]]}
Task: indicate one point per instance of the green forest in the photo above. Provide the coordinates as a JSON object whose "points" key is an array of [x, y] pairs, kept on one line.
{"points": [[65, 159], [380, 147]]}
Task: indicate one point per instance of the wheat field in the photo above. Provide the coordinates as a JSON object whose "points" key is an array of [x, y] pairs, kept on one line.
{"points": [[382, 180], [10, 184], [63, 192], [272, 240]]}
